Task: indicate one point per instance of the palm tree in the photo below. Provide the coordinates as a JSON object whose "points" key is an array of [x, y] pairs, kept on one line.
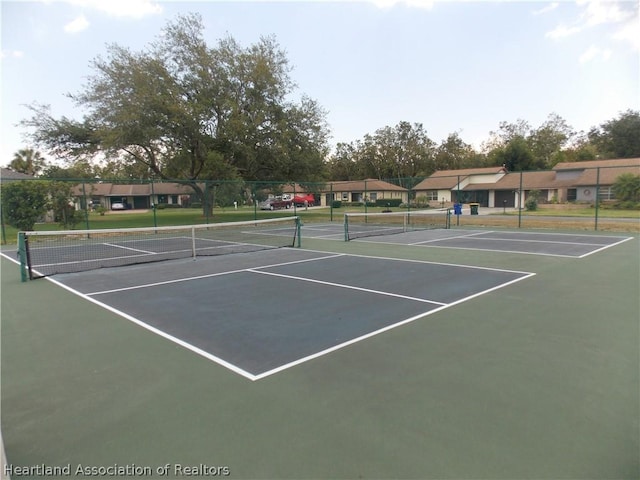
{"points": [[27, 161]]}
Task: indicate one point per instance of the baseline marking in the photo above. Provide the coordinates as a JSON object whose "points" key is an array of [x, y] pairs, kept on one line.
{"points": [[606, 246], [382, 330]]}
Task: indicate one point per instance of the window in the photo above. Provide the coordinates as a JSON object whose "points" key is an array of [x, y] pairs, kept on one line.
{"points": [[345, 196], [606, 193], [373, 196], [572, 194], [431, 194]]}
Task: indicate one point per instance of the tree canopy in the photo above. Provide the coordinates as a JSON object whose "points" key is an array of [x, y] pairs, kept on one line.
{"points": [[181, 109]]}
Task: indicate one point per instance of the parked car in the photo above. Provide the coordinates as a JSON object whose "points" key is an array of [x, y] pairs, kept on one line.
{"points": [[276, 203], [304, 200], [117, 206]]}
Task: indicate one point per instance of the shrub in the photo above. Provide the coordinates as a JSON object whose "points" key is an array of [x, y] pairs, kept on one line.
{"points": [[531, 204], [336, 204], [25, 202], [388, 202]]}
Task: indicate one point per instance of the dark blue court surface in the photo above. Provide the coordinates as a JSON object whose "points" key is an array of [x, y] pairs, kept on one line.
{"points": [[260, 313], [572, 245]]}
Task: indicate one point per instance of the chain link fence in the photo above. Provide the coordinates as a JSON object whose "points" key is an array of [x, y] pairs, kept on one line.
{"points": [[572, 197]]}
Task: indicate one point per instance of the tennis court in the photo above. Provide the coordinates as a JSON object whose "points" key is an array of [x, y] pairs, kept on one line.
{"points": [[206, 312], [530, 243], [373, 358]]}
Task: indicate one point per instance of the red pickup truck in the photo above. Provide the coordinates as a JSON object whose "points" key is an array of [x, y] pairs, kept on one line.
{"points": [[304, 200]]}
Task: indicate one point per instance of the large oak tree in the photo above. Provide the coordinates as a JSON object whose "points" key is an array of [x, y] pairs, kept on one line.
{"points": [[184, 110]]}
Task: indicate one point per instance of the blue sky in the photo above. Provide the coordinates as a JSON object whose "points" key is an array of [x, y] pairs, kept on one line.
{"points": [[452, 66]]}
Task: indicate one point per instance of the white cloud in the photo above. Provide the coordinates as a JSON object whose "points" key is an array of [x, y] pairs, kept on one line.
{"points": [[77, 25], [11, 54], [630, 33], [562, 31], [121, 8], [426, 4], [618, 17], [547, 9], [595, 53], [598, 12]]}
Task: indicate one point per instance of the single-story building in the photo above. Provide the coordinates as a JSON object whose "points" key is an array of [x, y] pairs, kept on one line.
{"points": [[488, 186], [350, 191], [7, 175], [495, 187], [356, 191], [464, 186], [582, 178], [135, 196]]}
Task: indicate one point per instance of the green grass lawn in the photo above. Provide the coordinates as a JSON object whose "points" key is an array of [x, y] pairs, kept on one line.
{"points": [[190, 216], [588, 212], [168, 217]]}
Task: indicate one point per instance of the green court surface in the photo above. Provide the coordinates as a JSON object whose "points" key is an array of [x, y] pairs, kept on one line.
{"points": [[539, 379]]}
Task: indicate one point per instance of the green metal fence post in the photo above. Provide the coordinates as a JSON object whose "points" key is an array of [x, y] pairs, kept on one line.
{"points": [[255, 201], [520, 202], [331, 202], [86, 206], [153, 205], [458, 202], [597, 195], [346, 228], [4, 233]]}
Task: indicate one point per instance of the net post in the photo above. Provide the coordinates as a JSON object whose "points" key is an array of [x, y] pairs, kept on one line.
{"points": [[346, 227], [298, 231], [22, 255], [193, 242]]}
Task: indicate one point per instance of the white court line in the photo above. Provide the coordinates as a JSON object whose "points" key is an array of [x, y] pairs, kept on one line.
{"points": [[527, 240], [209, 275], [128, 248], [427, 262], [606, 246], [382, 330], [159, 332], [349, 287], [450, 238], [286, 366], [520, 252]]}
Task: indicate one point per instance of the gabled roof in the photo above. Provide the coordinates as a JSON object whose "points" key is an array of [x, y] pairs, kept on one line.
{"points": [[447, 179], [618, 162], [370, 184], [469, 171], [8, 175], [606, 176], [126, 190], [530, 181]]}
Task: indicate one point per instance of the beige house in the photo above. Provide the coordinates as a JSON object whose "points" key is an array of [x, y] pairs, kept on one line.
{"points": [[352, 191], [466, 185], [132, 196], [582, 178], [495, 187], [490, 187], [356, 191]]}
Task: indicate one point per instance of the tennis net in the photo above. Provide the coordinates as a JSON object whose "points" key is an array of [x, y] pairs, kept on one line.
{"points": [[48, 253], [358, 225]]}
